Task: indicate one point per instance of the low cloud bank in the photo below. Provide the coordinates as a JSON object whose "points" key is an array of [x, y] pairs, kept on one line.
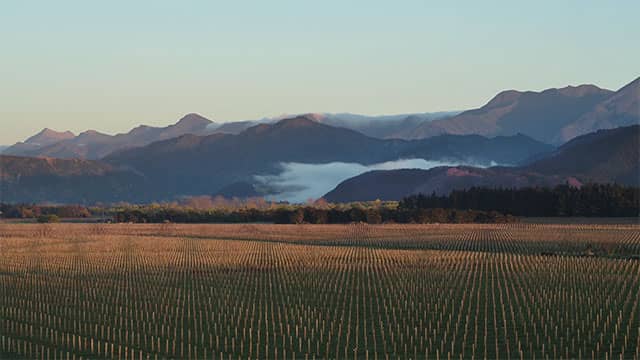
{"points": [[299, 182]]}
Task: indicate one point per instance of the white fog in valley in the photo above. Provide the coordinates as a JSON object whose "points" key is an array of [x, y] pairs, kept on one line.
{"points": [[299, 182]]}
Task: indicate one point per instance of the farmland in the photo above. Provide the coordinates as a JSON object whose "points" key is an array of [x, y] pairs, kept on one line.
{"points": [[319, 291]]}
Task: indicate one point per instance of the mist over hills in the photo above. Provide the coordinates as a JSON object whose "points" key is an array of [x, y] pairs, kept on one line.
{"points": [[260, 150], [196, 165], [604, 156]]}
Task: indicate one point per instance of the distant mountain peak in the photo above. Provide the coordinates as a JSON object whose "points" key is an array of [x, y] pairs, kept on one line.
{"points": [[318, 117], [139, 130], [298, 121], [257, 129], [193, 119], [91, 133], [632, 86], [504, 98], [508, 97], [48, 131], [582, 90], [47, 136]]}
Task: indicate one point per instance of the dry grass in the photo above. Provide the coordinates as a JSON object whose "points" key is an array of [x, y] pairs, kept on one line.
{"points": [[320, 291]]}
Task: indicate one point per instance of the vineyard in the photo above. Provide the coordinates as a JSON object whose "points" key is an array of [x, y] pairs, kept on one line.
{"points": [[127, 291]]}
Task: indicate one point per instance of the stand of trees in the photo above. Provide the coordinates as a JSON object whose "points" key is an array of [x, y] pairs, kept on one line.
{"points": [[591, 200]]}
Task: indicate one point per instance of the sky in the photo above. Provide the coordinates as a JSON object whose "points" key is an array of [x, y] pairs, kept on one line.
{"points": [[112, 65]]}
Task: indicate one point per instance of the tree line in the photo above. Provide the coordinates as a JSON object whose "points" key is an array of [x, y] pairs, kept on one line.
{"points": [[197, 211], [474, 205], [310, 215], [590, 200], [29, 211]]}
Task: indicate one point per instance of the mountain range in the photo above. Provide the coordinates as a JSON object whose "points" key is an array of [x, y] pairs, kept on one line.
{"points": [[195, 165], [604, 156], [552, 116], [197, 156], [94, 145]]}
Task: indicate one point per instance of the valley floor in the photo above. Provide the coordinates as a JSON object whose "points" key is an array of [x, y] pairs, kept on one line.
{"points": [[320, 291]]}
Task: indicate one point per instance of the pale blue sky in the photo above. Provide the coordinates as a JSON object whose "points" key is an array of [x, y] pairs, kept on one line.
{"points": [[112, 65]]}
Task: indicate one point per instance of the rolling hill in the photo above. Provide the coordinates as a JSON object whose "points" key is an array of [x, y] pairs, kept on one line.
{"points": [[396, 184], [37, 180], [603, 156]]}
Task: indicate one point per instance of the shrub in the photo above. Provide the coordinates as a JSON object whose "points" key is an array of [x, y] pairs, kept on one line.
{"points": [[48, 218], [296, 216], [374, 217]]}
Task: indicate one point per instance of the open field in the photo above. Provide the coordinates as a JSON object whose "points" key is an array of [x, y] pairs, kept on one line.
{"points": [[319, 291]]}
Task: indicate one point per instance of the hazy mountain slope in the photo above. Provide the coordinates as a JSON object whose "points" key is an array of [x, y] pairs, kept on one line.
{"points": [[540, 115], [620, 109], [87, 145], [38, 180], [94, 145], [235, 127], [604, 156], [476, 149], [382, 127]]}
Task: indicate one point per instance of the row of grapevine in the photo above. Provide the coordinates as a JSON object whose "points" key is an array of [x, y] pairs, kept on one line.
{"points": [[316, 292]]}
